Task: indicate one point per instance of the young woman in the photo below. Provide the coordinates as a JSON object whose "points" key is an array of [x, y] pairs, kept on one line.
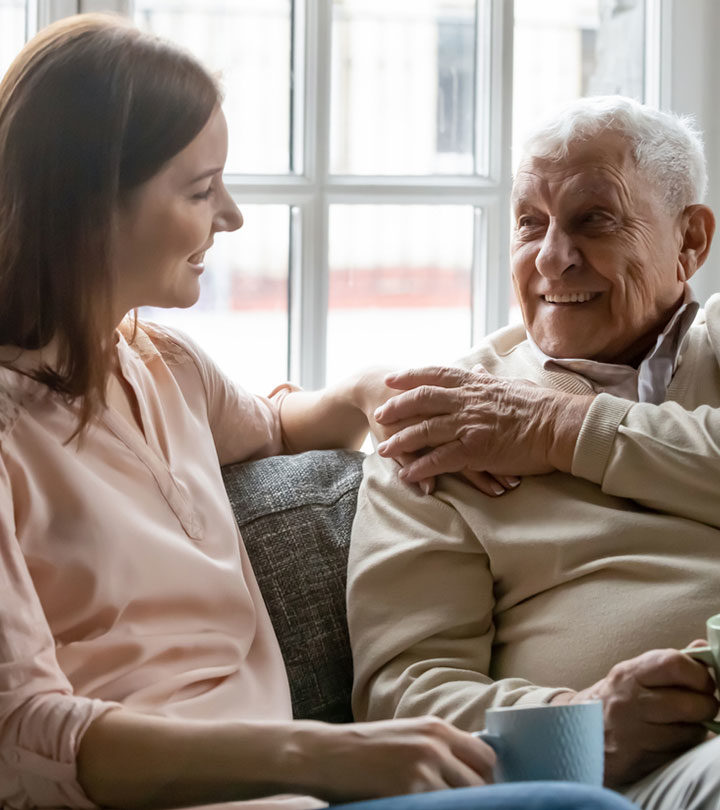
{"points": [[138, 667]]}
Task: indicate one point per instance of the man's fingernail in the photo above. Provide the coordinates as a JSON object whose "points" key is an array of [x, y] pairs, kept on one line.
{"points": [[425, 487], [378, 413]]}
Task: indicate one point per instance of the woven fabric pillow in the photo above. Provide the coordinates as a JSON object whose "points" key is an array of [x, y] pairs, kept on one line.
{"points": [[295, 514]]}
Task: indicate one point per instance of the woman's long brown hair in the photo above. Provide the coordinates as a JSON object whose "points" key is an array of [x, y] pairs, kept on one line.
{"points": [[90, 109]]}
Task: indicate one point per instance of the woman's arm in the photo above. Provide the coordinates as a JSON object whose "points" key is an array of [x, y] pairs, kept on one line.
{"points": [[131, 760], [337, 416]]}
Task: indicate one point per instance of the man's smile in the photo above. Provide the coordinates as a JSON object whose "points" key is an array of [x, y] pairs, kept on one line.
{"points": [[570, 298]]}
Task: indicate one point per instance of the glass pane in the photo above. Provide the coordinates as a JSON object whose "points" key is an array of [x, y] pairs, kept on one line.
{"points": [[241, 319], [403, 81], [568, 49], [400, 291], [249, 43], [571, 48], [12, 30]]}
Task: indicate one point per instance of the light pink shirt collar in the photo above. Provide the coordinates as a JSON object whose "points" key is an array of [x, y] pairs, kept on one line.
{"points": [[647, 383]]}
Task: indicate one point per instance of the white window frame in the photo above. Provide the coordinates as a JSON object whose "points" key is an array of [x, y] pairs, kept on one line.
{"points": [[686, 84]]}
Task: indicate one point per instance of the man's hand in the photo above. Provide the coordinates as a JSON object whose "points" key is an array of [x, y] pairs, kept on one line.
{"points": [[653, 708], [477, 421], [370, 394]]}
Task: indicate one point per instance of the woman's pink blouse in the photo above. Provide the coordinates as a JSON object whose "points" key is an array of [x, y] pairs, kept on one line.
{"points": [[123, 579]]}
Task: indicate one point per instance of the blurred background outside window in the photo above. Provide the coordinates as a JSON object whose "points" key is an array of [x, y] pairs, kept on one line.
{"points": [[13, 15], [379, 146]]}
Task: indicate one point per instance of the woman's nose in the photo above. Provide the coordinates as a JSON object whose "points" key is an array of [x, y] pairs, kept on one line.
{"points": [[228, 216]]}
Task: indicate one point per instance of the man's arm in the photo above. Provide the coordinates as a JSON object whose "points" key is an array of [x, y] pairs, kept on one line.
{"points": [[420, 612], [420, 609], [662, 456]]}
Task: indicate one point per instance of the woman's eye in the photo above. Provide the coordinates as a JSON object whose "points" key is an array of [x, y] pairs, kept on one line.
{"points": [[203, 195]]}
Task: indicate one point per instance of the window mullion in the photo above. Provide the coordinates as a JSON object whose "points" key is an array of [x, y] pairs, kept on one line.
{"points": [[491, 271], [313, 282]]}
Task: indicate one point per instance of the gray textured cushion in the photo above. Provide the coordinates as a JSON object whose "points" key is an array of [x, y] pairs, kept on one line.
{"points": [[295, 515]]}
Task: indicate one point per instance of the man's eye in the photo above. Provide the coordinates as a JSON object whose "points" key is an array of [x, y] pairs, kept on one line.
{"points": [[594, 218], [526, 222]]}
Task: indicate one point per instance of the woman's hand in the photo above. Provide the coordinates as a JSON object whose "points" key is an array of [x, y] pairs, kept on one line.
{"points": [[370, 760], [472, 420]]}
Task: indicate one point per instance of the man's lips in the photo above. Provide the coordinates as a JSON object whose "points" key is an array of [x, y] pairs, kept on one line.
{"points": [[570, 297]]}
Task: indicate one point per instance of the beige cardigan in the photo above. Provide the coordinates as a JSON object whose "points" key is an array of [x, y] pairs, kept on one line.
{"points": [[458, 602]]}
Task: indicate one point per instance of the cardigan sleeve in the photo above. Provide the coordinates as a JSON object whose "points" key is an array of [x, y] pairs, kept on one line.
{"points": [[662, 456], [41, 721], [420, 609]]}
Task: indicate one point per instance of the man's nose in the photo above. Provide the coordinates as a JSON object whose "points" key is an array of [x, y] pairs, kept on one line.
{"points": [[558, 252]]}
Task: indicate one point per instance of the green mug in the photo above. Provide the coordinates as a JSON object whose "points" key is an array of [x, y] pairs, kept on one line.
{"points": [[710, 656]]}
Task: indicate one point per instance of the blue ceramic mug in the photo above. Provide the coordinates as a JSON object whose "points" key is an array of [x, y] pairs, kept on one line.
{"points": [[563, 742]]}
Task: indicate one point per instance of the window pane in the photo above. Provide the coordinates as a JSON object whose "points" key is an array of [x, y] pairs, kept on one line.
{"points": [[241, 319], [249, 43], [571, 48], [568, 49], [12, 30], [403, 75], [399, 285]]}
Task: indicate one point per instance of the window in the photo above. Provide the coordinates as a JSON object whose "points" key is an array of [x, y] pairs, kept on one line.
{"points": [[13, 30], [371, 148]]}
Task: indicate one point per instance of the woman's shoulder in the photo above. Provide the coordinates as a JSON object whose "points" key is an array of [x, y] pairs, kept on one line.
{"points": [[150, 340], [14, 395]]}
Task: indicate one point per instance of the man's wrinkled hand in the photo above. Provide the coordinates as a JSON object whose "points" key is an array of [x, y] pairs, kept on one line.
{"points": [[477, 421], [653, 707]]}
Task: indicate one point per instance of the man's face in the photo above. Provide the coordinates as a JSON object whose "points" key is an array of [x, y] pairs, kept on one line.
{"points": [[595, 253]]}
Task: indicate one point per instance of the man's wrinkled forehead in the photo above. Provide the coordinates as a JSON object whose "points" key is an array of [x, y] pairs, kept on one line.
{"points": [[599, 167]]}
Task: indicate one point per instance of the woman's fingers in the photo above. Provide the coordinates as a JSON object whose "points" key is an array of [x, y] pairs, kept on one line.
{"points": [[492, 485]]}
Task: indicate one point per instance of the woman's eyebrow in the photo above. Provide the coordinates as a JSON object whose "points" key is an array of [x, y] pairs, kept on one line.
{"points": [[208, 173]]}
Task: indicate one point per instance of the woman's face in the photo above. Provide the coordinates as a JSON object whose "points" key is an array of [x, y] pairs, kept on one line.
{"points": [[164, 230]]}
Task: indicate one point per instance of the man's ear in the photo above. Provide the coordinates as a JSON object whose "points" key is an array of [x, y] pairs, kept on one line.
{"points": [[698, 227]]}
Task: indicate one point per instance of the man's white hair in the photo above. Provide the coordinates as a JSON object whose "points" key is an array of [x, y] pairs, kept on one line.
{"points": [[667, 148]]}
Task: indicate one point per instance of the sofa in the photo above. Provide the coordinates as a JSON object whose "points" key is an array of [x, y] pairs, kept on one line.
{"points": [[295, 514]]}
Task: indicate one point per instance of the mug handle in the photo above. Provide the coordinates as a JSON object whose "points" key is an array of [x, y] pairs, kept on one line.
{"points": [[493, 740], [705, 656]]}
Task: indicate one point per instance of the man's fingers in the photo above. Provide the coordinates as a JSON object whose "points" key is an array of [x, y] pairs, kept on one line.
{"points": [[666, 706], [444, 376], [671, 668], [674, 737], [425, 400], [432, 432], [446, 459]]}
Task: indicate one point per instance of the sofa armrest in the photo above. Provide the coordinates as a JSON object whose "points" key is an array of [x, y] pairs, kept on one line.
{"points": [[295, 514]]}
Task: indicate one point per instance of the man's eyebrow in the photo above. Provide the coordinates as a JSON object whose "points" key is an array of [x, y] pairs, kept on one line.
{"points": [[205, 174]]}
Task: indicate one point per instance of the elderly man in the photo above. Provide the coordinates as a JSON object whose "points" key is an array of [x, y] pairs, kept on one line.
{"points": [[607, 401]]}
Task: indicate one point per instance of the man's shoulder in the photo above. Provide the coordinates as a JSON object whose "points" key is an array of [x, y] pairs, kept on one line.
{"points": [[504, 352]]}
